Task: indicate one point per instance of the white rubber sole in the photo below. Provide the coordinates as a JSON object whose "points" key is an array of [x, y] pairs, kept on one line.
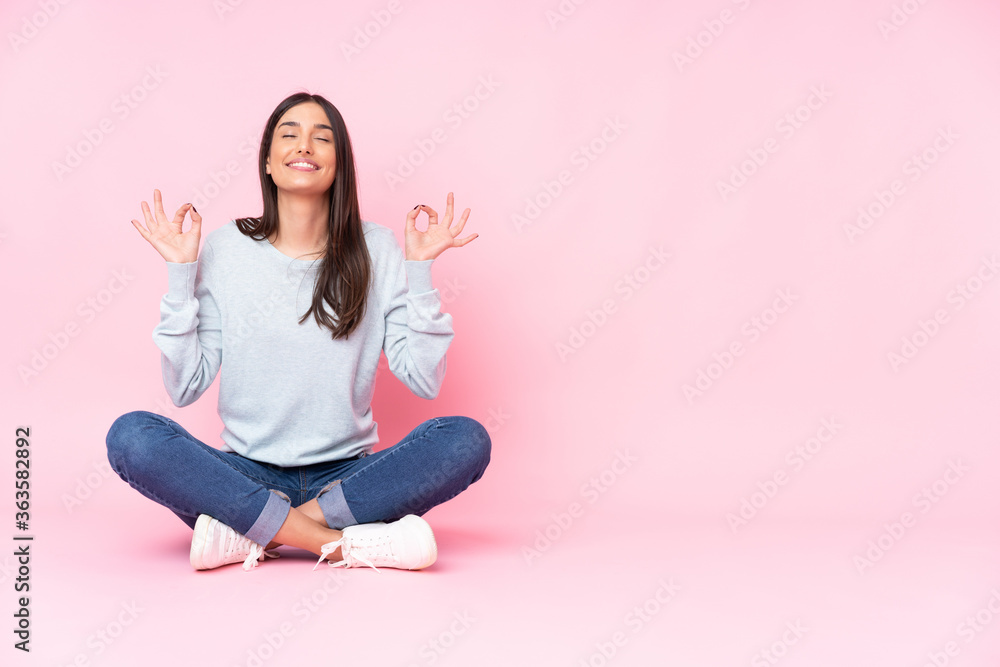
{"points": [[198, 540], [429, 553]]}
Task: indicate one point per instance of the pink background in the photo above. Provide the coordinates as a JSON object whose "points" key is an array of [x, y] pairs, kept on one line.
{"points": [[671, 472]]}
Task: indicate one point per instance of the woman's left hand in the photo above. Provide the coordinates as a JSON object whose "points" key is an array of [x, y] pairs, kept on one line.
{"points": [[439, 235]]}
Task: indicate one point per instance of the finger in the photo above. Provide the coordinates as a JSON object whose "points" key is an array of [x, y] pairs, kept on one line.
{"points": [[461, 242], [411, 219], [161, 215], [139, 227], [461, 222], [431, 213], [179, 216], [195, 221], [449, 211], [150, 219]]}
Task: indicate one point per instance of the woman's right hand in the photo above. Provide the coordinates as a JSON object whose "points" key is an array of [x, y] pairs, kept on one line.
{"points": [[173, 244]]}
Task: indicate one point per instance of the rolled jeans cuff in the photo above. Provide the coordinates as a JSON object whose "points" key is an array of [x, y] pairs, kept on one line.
{"points": [[335, 510], [270, 520]]}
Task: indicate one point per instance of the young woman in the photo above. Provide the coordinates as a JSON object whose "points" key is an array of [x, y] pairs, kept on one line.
{"points": [[295, 308]]}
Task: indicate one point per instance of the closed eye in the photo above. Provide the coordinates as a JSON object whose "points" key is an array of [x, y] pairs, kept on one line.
{"points": [[285, 136]]}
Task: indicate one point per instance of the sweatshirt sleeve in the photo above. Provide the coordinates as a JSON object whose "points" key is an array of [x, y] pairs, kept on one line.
{"points": [[417, 333], [189, 334]]}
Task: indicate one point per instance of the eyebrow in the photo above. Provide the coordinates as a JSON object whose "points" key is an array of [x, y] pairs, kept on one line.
{"points": [[298, 124]]}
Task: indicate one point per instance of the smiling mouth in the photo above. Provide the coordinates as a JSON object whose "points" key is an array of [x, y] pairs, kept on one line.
{"points": [[302, 166]]}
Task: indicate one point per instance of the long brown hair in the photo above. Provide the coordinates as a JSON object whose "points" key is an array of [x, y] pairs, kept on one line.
{"points": [[345, 271]]}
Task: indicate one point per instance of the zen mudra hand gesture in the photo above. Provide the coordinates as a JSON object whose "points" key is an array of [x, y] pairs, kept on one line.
{"points": [[167, 236]]}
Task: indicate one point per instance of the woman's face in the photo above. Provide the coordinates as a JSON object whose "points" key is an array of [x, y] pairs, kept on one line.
{"points": [[302, 159]]}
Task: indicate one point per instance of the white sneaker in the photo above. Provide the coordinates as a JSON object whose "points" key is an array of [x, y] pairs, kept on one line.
{"points": [[215, 544], [407, 544]]}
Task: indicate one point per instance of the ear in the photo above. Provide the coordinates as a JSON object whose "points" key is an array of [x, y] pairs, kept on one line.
{"points": [[267, 165]]}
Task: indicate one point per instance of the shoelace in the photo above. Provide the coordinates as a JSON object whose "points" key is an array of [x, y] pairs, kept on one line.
{"points": [[256, 554], [349, 555]]}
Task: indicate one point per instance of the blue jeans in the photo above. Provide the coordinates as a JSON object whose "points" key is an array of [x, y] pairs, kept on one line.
{"points": [[435, 462]]}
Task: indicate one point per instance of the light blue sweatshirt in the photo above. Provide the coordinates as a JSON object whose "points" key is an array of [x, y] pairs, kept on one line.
{"points": [[290, 395]]}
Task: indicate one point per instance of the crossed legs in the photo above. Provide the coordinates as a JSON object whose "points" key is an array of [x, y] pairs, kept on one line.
{"points": [[432, 464], [305, 527]]}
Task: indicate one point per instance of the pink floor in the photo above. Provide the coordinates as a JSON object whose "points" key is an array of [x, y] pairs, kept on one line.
{"points": [[647, 591]]}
